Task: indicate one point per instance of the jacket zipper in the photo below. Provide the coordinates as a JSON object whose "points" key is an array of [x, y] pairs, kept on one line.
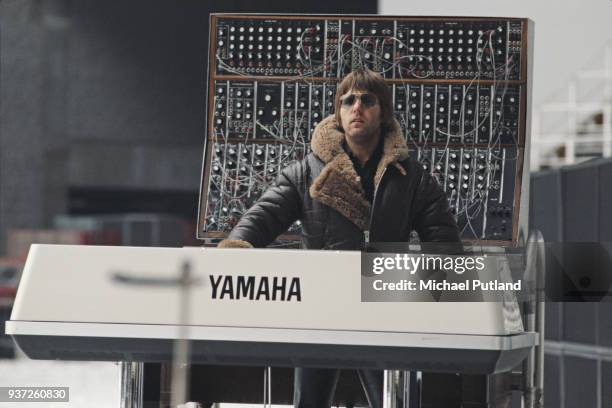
{"points": [[366, 233]]}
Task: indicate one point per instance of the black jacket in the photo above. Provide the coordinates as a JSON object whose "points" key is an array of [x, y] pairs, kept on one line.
{"points": [[325, 193]]}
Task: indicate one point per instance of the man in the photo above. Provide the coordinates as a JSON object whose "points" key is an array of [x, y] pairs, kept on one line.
{"points": [[358, 185]]}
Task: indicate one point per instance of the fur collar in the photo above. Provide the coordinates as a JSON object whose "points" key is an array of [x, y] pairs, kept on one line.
{"points": [[338, 184]]}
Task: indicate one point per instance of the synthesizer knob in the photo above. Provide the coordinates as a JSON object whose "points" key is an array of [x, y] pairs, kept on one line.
{"points": [[216, 169], [258, 152], [464, 186], [274, 112], [453, 156], [247, 116], [260, 112], [451, 186], [288, 104], [465, 177], [466, 167], [247, 105], [452, 177]]}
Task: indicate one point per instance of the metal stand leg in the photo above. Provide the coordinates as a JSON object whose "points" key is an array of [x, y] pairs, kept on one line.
{"points": [[267, 392], [131, 384], [402, 389]]}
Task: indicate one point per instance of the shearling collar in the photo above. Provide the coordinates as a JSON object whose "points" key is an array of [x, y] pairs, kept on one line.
{"points": [[338, 184]]}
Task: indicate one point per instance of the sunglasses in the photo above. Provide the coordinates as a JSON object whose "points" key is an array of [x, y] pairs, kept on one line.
{"points": [[367, 100]]}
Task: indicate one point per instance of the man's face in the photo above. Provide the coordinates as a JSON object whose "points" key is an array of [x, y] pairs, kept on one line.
{"points": [[360, 115]]}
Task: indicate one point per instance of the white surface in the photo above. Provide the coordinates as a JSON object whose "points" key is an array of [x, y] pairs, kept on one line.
{"points": [[92, 384], [568, 34], [74, 284], [337, 337]]}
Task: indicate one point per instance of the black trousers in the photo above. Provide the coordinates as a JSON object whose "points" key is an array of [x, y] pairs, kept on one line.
{"points": [[314, 387]]}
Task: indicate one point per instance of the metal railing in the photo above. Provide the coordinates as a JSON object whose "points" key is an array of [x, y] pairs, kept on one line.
{"points": [[572, 139]]}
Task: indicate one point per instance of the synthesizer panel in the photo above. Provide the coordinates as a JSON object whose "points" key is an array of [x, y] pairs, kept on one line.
{"points": [[460, 94]]}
